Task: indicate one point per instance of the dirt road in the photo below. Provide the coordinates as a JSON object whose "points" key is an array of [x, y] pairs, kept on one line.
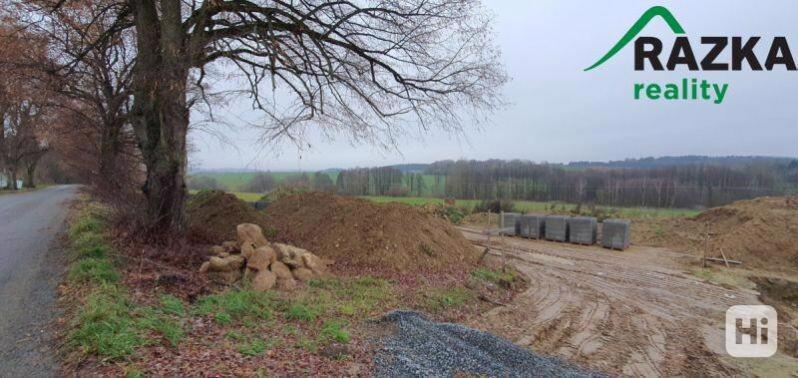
{"points": [[634, 313], [29, 273]]}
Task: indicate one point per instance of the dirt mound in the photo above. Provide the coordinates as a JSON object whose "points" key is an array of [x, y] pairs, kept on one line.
{"points": [[212, 216], [379, 238], [762, 232]]}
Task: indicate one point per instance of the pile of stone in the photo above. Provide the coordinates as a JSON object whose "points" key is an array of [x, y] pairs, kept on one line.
{"points": [[265, 265]]}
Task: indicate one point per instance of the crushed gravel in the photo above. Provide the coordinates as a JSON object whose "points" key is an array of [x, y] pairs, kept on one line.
{"points": [[417, 346]]}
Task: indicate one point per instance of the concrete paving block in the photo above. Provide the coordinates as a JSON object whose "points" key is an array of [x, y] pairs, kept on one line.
{"points": [[616, 233], [532, 226], [583, 230], [557, 228], [509, 223]]}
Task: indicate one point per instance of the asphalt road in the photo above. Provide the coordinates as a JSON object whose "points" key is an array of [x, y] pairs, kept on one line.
{"points": [[31, 264]]}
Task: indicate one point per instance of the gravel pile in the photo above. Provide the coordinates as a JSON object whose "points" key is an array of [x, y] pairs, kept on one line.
{"points": [[419, 347]]}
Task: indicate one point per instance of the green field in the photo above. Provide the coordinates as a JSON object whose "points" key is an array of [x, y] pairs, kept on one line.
{"points": [[236, 181], [547, 207], [521, 206]]}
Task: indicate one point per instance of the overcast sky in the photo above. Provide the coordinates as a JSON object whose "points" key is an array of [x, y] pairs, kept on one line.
{"points": [[558, 113]]}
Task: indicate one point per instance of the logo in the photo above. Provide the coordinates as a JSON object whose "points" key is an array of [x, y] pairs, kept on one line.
{"points": [[649, 52], [751, 331]]}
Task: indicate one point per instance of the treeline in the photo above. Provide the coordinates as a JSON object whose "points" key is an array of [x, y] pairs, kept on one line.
{"points": [[675, 186], [384, 181]]}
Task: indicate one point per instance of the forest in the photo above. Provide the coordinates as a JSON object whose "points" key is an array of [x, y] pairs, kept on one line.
{"points": [[689, 183]]}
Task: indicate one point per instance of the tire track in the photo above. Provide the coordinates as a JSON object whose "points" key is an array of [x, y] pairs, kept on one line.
{"points": [[622, 313]]}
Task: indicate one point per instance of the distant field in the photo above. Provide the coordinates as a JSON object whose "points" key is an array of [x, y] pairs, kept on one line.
{"points": [[235, 181], [546, 207], [522, 206]]}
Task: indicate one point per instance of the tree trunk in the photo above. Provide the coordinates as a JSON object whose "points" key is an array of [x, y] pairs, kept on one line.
{"points": [[161, 111], [30, 179], [12, 178], [110, 148]]}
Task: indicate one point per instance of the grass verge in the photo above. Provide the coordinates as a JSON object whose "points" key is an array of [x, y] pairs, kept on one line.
{"points": [[107, 324]]}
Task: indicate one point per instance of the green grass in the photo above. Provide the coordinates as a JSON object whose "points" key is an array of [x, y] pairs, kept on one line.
{"points": [[303, 312], [235, 181], [109, 324], [93, 270], [334, 330], [546, 207], [255, 347], [495, 276], [235, 305], [440, 300], [105, 326], [523, 206], [172, 305]]}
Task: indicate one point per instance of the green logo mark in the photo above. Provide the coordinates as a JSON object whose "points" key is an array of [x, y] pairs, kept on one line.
{"points": [[637, 28]]}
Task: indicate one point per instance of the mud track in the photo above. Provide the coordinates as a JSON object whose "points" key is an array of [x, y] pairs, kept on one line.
{"points": [[631, 313]]}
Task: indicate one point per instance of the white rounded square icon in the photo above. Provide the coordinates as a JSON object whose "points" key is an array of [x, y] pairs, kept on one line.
{"points": [[751, 331]]}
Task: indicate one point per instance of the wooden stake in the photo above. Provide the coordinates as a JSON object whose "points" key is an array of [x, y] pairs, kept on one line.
{"points": [[725, 260]]}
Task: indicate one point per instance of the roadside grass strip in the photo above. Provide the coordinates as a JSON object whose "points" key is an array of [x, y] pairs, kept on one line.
{"points": [[108, 324]]}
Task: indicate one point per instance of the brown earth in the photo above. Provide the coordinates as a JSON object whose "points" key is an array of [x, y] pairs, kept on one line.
{"points": [[356, 233], [212, 216], [762, 233], [631, 313]]}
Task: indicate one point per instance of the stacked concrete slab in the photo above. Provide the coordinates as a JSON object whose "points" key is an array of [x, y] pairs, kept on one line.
{"points": [[582, 230], [532, 226], [557, 228], [509, 223], [616, 233]]}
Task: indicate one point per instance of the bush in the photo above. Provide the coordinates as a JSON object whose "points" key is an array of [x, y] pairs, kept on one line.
{"points": [[495, 206], [261, 183]]}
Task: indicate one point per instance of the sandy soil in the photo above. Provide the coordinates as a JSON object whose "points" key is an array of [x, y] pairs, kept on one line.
{"points": [[635, 313]]}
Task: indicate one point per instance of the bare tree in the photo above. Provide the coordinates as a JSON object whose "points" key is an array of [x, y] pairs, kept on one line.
{"points": [[370, 69], [261, 183]]}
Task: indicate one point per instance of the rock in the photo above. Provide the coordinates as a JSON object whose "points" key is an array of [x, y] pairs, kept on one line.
{"points": [[226, 277], [264, 280], [286, 283], [248, 232], [281, 270], [217, 250], [290, 255], [313, 263], [261, 258], [232, 262], [249, 274], [247, 249], [303, 274], [230, 246], [204, 267]]}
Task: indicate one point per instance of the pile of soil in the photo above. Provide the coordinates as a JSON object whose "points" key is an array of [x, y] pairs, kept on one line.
{"points": [[377, 238], [762, 232], [212, 216]]}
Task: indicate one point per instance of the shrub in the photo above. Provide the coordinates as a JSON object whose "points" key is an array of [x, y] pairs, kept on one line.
{"points": [[494, 206]]}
